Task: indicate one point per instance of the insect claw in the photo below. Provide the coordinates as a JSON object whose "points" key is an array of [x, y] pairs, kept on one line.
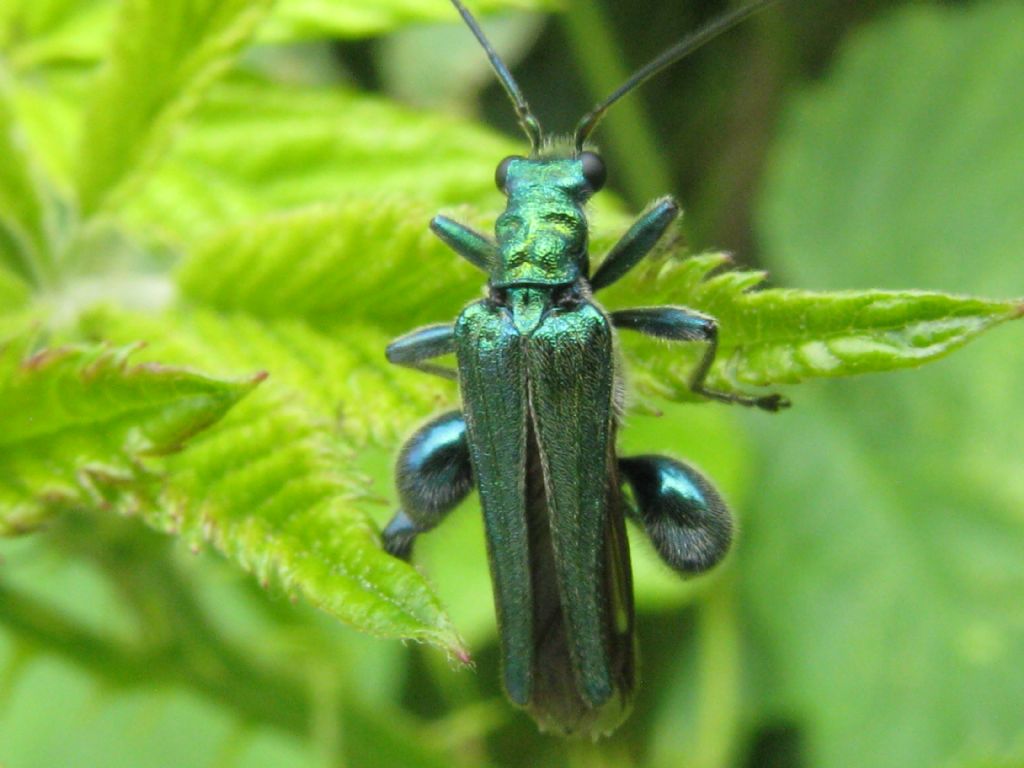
{"points": [[397, 539], [773, 403]]}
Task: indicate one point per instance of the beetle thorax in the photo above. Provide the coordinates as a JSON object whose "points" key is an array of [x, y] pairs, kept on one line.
{"points": [[542, 234]]}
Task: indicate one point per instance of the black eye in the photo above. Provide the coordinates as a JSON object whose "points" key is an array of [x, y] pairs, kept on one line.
{"points": [[594, 170], [501, 174]]}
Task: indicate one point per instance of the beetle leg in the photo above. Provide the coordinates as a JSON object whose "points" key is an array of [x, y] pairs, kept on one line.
{"points": [[433, 475], [678, 324], [638, 241], [417, 347], [478, 250], [681, 512]]}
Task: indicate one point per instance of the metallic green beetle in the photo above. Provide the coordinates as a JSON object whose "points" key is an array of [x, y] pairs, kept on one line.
{"points": [[536, 435]]}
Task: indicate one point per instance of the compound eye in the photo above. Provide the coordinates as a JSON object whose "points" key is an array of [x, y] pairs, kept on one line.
{"points": [[594, 170], [501, 174]]}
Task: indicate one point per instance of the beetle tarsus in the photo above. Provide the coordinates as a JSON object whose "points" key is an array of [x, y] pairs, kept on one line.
{"points": [[772, 403], [682, 324], [399, 536]]}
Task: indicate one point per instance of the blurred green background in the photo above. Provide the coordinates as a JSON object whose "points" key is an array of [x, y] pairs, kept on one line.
{"points": [[872, 612]]}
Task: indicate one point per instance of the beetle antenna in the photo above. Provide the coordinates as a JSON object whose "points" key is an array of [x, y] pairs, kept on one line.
{"points": [[529, 123], [680, 50]]}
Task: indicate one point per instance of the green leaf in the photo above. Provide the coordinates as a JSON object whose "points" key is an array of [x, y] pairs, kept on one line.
{"points": [[46, 33], [78, 422], [21, 317], [277, 487], [883, 566], [146, 725], [300, 19], [37, 32], [356, 262], [14, 294], [771, 337], [902, 192], [49, 111], [242, 688], [884, 573], [256, 148], [28, 211], [165, 56]]}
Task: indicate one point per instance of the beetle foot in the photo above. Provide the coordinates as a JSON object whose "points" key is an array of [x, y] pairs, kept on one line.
{"points": [[773, 403]]}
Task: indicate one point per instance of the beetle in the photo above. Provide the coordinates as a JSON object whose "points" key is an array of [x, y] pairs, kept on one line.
{"points": [[541, 404]]}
